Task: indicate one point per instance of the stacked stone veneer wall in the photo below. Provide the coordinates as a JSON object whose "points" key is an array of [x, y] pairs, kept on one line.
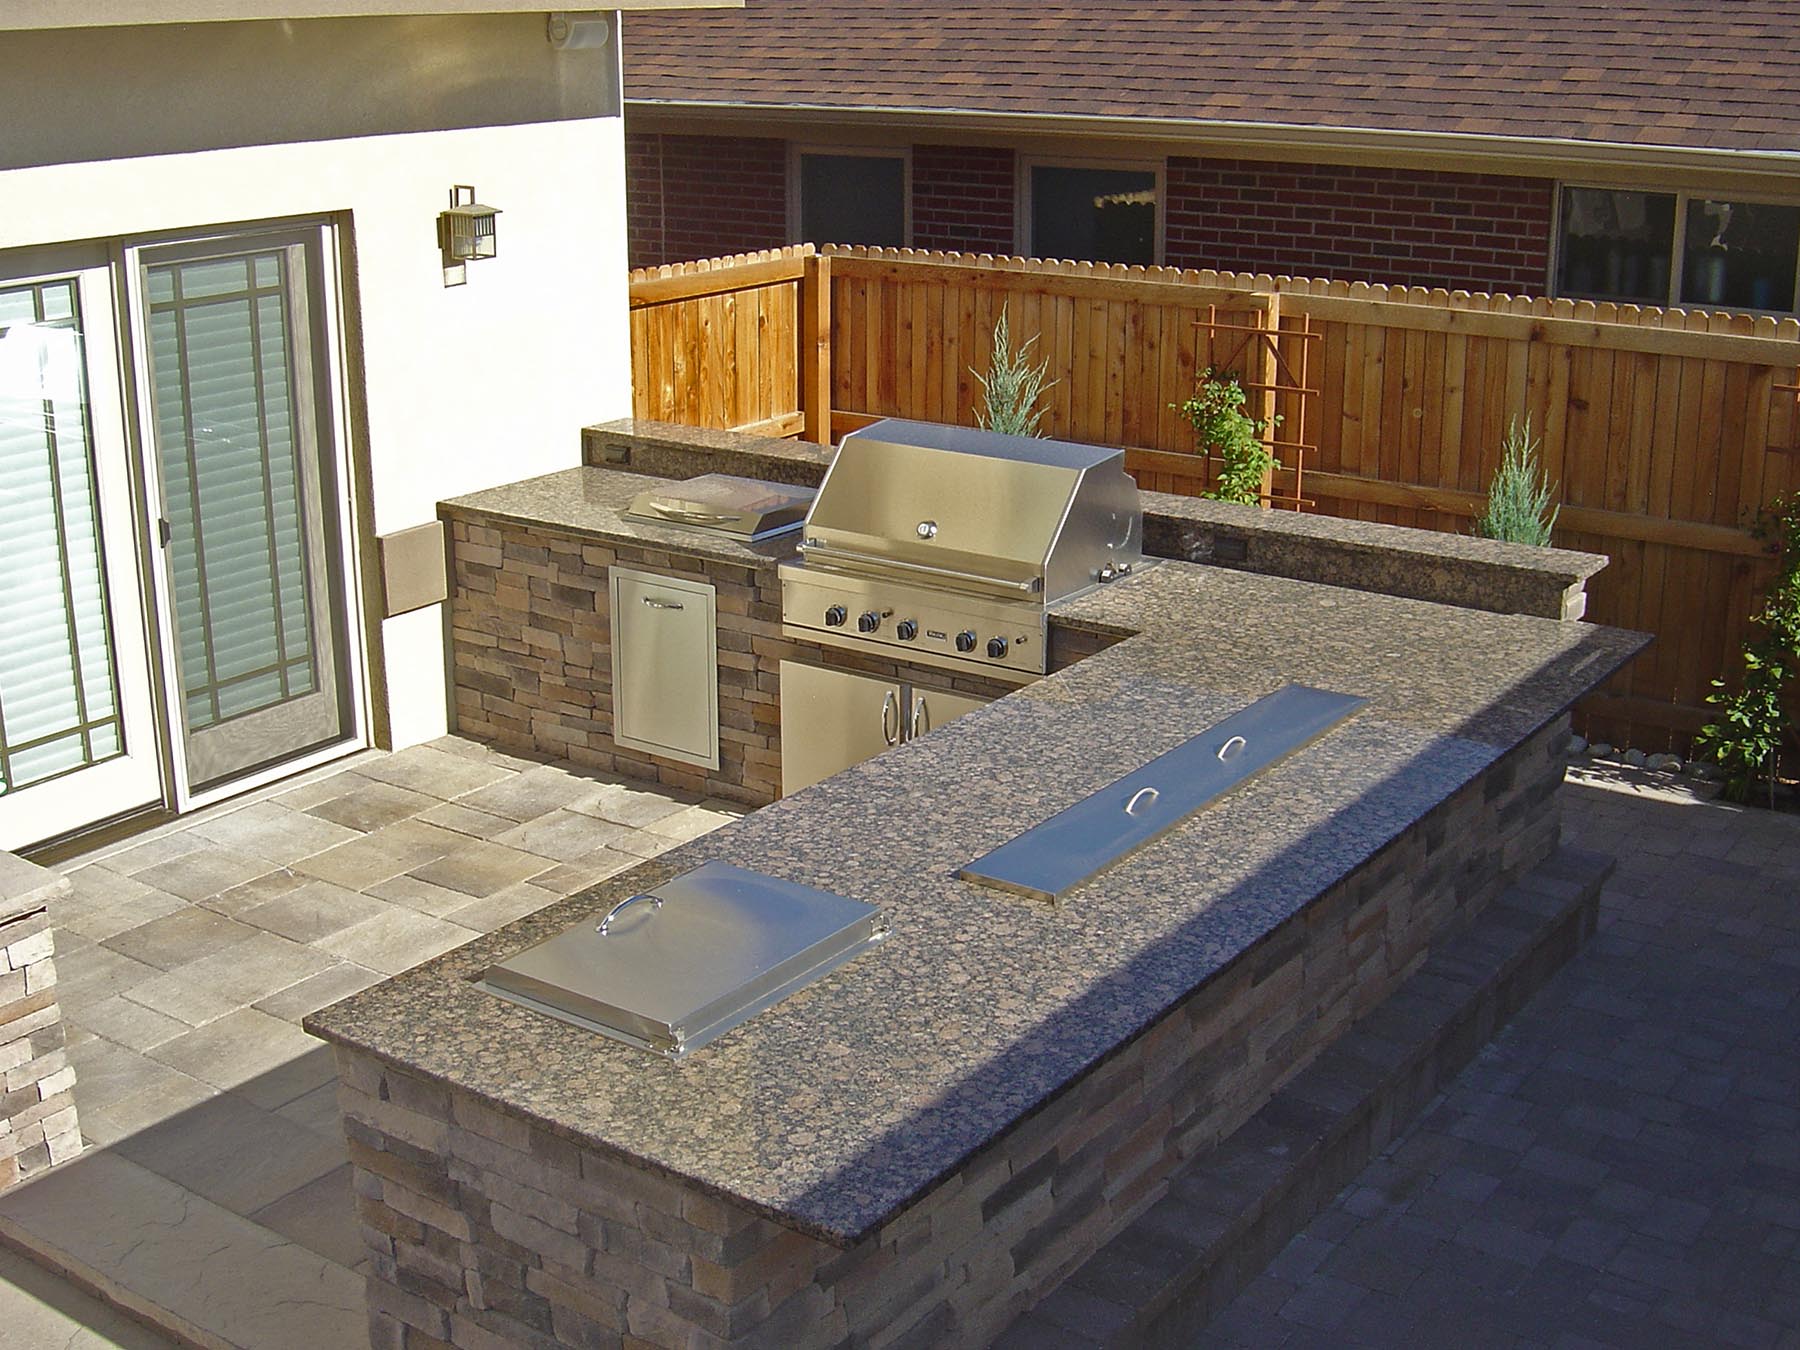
{"points": [[486, 1229], [532, 656], [37, 1084]]}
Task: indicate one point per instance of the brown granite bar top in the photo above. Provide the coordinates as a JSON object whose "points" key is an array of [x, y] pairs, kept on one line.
{"points": [[834, 1109], [592, 502], [1363, 555]]}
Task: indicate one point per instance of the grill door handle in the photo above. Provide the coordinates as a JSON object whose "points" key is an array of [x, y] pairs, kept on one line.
{"points": [[890, 711], [663, 604], [921, 718]]}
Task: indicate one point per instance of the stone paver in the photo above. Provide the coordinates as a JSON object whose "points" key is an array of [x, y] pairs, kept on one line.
{"points": [[1621, 1166], [187, 961]]}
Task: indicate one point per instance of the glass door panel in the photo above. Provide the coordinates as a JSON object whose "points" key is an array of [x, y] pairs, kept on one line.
{"points": [[251, 561], [76, 739]]}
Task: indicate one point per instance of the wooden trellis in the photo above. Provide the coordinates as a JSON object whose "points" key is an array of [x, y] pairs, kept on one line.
{"points": [[1272, 358]]}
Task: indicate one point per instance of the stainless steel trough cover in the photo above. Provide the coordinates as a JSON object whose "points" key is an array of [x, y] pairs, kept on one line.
{"points": [[1055, 856], [673, 968], [745, 508]]}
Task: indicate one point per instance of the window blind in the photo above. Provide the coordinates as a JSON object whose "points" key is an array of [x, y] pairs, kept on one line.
{"points": [[59, 705], [222, 388]]}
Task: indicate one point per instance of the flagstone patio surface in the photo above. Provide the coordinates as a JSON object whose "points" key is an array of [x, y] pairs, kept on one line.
{"points": [[215, 1194]]}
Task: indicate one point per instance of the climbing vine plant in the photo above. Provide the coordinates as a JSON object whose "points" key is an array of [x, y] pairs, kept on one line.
{"points": [[1746, 734], [1231, 435]]}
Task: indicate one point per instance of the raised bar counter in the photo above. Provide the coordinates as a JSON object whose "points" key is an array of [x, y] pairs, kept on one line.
{"points": [[884, 1088]]}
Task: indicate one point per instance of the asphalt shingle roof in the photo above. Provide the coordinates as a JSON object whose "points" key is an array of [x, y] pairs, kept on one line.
{"points": [[1716, 75]]}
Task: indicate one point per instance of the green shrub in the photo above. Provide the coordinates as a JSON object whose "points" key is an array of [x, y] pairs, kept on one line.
{"points": [[1225, 431], [1518, 496], [1012, 386], [1745, 736]]}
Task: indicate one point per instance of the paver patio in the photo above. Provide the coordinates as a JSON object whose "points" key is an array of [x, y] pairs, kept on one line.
{"points": [[216, 1193], [1621, 1167]]}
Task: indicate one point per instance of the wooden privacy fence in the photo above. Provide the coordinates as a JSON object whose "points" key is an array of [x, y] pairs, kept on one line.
{"points": [[1664, 430]]}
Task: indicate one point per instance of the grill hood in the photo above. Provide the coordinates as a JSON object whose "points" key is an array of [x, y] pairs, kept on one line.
{"points": [[975, 510]]}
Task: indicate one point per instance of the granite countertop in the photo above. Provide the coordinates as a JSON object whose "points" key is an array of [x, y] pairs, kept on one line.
{"points": [[832, 1110], [591, 502]]}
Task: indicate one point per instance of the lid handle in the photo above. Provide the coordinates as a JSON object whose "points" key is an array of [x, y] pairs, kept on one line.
{"points": [[611, 914]]}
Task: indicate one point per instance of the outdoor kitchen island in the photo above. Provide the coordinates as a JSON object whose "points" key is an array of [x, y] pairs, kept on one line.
{"points": [[928, 1139]]}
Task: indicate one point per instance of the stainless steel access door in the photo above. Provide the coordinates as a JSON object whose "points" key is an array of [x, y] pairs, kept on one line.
{"points": [[665, 666], [831, 720]]}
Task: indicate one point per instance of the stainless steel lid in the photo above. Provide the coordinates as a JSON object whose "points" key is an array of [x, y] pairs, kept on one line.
{"points": [[673, 968], [744, 507], [1055, 856], [1011, 516]]}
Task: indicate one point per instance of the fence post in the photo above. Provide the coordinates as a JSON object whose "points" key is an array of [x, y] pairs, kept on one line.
{"points": [[815, 348]]}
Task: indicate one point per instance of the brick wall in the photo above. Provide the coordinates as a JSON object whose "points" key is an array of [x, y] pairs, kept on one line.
{"points": [[1473, 231], [963, 198], [703, 196], [487, 1230], [37, 1083]]}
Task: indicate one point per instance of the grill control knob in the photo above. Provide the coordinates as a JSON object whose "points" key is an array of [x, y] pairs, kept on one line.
{"points": [[868, 621], [836, 616], [906, 630], [996, 647], [965, 641]]}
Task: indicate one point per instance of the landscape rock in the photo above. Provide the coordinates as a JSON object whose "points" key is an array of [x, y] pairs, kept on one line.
{"points": [[1636, 758], [1600, 749], [1664, 763], [1577, 744]]}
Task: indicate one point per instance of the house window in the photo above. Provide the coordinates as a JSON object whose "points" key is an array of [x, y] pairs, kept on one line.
{"points": [[1092, 214], [851, 197], [1740, 254], [1677, 248]]}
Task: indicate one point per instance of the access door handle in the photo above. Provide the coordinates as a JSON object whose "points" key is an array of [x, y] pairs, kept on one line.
{"points": [[663, 604], [890, 713], [921, 718]]}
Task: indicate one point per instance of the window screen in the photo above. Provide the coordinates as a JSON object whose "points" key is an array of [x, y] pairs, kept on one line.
{"points": [[1093, 215], [853, 199]]}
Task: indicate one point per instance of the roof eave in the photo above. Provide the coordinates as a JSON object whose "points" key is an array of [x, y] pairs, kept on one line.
{"points": [[25, 15], [1533, 152]]}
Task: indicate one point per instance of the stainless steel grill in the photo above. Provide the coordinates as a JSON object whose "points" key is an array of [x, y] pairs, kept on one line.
{"points": [[944, 545]]}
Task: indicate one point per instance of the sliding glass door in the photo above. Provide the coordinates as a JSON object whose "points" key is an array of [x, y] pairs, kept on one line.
{"points": [[174, 607], [77, 735], [244, 461]]}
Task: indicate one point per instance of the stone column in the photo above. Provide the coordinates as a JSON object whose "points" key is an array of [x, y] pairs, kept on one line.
{"points": [[37, 1083]]}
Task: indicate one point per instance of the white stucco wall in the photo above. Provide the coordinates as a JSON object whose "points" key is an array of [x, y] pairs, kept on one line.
{"points": [[465, 387]]}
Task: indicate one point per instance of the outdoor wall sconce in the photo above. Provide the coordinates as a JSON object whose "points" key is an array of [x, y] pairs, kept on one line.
{"points": [[465, 233]]}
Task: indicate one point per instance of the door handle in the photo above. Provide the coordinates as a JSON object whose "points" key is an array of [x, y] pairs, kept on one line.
{"points": [[921, 718], [890, 707], [165, 532], [663, 604]]}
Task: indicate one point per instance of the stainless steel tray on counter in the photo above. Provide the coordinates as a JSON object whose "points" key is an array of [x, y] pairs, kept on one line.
{"points": [[721, 503], [673, 968], [1054, 857]]}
